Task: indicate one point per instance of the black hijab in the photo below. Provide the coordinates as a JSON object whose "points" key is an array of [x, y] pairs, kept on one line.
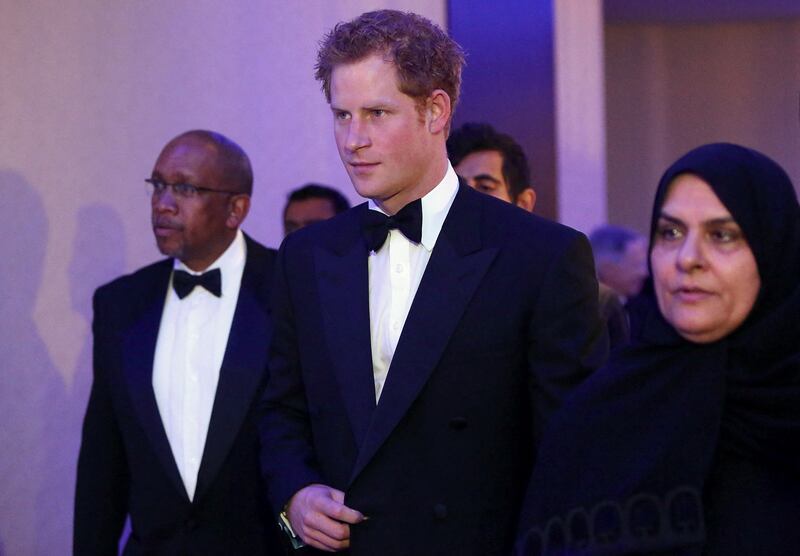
{"points": [[623, 465]]}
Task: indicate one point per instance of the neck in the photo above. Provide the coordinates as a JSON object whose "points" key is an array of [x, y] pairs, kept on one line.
{"points": [[432, 178], [202, 264]]}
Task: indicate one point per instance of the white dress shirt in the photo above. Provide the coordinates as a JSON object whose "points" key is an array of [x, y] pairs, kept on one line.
{"points": [[191, 344], [395, 271]]}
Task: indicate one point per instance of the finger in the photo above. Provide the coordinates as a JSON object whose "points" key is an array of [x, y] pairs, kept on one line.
{"points": [[329, 527], [337, 495], [339, 512], [316, 544], [319, 539]]}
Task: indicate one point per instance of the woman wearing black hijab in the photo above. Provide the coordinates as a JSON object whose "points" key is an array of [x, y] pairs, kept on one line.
{"points": [[688, 442]]}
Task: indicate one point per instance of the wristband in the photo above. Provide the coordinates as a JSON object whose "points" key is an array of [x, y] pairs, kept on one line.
{"points": [[286, 527]]}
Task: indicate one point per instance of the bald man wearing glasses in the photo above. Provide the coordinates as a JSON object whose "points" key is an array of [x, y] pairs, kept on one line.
{"points": [[180, 348]]}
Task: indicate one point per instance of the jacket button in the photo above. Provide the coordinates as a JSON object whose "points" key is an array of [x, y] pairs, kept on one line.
{"points": [[440, 511], [458, 423], [191, 524]]}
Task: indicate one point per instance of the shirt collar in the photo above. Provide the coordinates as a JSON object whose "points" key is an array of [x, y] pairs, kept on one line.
{"points": [[231, 260], [435, 206]]}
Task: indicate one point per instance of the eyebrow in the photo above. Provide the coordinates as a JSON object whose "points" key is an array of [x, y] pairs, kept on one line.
{"points": [[379, 104], [487, 177], [713, 221], [181, 178]]}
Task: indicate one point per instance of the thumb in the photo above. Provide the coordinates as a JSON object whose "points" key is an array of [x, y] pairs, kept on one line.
{"points": [[336, 495]]}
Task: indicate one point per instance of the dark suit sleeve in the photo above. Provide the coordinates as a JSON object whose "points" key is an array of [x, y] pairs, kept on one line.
{"points": [[287, 454], [568, 338], [101, 498]]}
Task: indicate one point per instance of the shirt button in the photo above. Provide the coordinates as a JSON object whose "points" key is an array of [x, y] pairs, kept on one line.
{"points": [[399, 269], [395, 325]]}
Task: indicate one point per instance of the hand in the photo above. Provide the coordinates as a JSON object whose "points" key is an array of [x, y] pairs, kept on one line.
{"points": [[320, 518]]}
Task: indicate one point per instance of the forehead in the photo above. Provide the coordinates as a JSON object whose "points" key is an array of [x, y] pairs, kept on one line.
{"points": [[310, 208], [690, 197], [371, 79], [187, 158], [481, 162]]}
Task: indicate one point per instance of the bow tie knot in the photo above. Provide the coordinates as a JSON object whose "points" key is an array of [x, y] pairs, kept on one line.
{"points": [[408, 220], [184, 282]]}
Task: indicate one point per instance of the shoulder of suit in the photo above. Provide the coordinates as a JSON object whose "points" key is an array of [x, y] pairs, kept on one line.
{"points": [[125, 294], [328, 232], [259, 269], [137, 278], [259, 251], [513, 224]]}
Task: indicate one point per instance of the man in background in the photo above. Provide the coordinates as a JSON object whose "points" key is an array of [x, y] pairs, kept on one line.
{"points": [[180, 350], [620, 256], [621, 259], [312, 203], [493, 163]]}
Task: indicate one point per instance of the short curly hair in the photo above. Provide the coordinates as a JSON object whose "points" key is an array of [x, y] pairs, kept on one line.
{"points": [[426, 58]]}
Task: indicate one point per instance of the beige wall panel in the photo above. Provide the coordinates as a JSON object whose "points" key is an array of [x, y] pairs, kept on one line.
{"points": [[670, 88]]}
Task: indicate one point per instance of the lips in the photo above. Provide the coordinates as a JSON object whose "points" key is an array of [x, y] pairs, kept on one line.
{"points": [[164, 228], [362, 167], [689, 294]]}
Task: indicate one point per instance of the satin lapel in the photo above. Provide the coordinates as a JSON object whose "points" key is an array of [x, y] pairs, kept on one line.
{"points": [[243, 367], [343, 281], [138, 350], [456, 267]]}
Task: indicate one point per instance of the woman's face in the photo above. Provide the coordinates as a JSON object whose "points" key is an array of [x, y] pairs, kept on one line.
{"points": [[705, 275]]}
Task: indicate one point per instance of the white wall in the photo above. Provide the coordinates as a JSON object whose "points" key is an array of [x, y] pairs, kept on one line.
{"points": [[580, 113], [90, 91]]}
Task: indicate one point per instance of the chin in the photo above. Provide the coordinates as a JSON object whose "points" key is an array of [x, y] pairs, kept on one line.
{"points": [[368, 192], [169, 250], [698, 332]]}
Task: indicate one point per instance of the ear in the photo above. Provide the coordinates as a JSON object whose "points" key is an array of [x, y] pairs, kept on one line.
{"points": [[438, 111], [238, 207], [526, 199]]}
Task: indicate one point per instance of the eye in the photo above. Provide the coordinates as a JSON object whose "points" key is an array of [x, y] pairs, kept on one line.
{"points": [[184, 189], [154, 187], [485, 187], [724, 235], [341, 115], [668, 232], [379, 112]]}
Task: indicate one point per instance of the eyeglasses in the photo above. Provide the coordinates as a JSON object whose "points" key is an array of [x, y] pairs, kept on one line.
{"points": [[155, 188]]}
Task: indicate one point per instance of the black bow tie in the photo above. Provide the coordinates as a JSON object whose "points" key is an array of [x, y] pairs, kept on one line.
{"points": [[184, 283], [408, 220]]}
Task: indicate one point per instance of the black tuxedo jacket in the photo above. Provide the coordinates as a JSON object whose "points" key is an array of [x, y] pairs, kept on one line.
{"points": [[126, 464], [504, 323]]}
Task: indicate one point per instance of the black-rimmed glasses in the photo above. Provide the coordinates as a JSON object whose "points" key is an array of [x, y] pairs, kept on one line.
{"points": [[156, 188]]}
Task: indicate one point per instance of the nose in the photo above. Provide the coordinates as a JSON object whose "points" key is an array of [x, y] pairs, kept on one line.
{"points": [[690, 253], [164, 201], [357, 136]]}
